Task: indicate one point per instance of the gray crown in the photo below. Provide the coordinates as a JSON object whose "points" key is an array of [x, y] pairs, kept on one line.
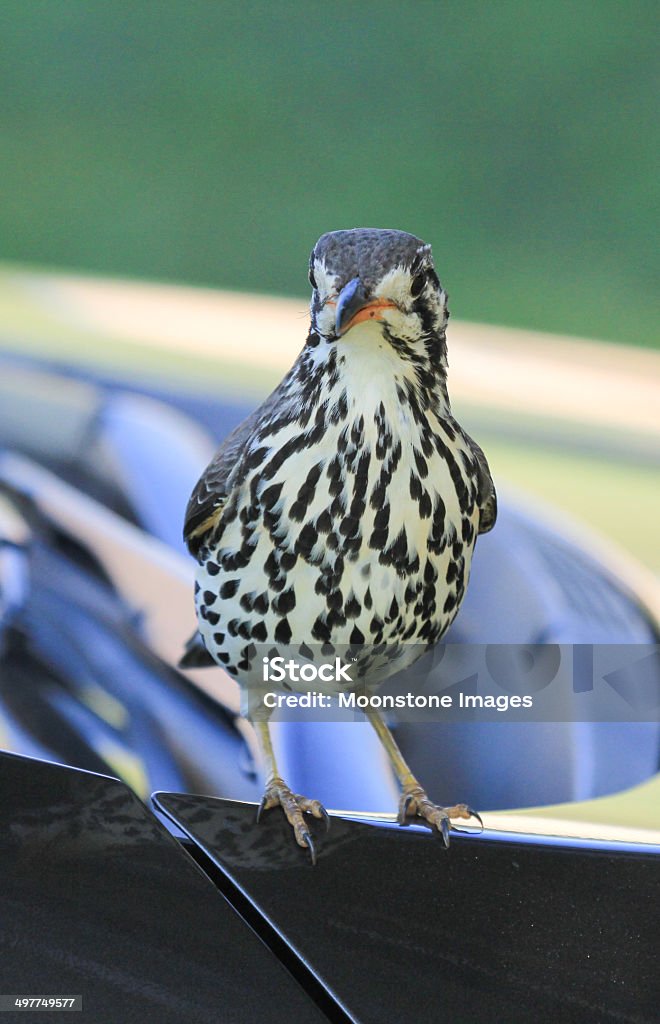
{"points": [[367, 253]]}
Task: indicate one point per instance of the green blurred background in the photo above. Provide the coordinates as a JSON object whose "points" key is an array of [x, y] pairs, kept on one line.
{"points": [[212, 142]]}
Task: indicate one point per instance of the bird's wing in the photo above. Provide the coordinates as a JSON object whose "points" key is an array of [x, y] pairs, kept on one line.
{"points": [[210, 494], [486, 494]]}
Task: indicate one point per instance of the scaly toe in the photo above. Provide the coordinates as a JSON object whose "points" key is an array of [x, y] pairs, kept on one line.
{"points": [[407, 800], [415, 803], [314, 807], [294, 806]]}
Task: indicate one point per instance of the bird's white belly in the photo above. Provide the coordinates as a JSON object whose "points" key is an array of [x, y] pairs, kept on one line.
{"points": [[343, 587]]}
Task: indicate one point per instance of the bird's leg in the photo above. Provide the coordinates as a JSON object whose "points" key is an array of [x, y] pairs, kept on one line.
{"points": [[277, 792], [414, 800]]}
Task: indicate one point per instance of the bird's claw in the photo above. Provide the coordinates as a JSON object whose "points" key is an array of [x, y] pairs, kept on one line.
{"points": [[415, 802], [310, 846], [294, 806], [261, 808], [475, 814], [471, 813]]}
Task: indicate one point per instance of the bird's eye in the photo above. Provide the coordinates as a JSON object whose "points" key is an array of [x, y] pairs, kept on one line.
{"points": [[417, 285], [312, 279]]}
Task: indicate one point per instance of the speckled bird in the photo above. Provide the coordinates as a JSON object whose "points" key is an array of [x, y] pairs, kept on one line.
{"points": [[345, 509]]}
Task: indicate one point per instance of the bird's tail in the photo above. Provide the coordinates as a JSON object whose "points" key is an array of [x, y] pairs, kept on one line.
{"points": [[195, 654]]}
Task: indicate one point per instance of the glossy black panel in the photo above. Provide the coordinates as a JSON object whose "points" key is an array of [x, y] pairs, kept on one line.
{"points": [[97, 898], [401, 930]]}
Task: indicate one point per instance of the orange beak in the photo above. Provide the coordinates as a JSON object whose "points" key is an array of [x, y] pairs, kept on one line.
{"points": [[372, 311]]}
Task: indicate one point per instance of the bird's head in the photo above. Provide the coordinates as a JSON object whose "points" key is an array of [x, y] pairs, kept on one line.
{"points": [[371, 279]]}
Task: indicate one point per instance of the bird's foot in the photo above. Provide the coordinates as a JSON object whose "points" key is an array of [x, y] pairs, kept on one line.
{"points": [[415, 802], [294, 806]]}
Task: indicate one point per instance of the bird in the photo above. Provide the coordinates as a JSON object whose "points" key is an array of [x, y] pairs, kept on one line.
{"points": [[345, 509]]}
